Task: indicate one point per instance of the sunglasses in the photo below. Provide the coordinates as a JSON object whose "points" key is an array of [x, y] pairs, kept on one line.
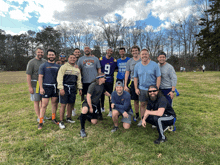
{"points": [[152, 91], [62, 56]]}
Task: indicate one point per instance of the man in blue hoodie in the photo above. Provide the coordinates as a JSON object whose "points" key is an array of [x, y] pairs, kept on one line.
{"points": [[121, 105]]}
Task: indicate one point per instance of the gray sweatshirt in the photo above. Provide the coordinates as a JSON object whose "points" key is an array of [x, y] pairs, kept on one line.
{"points": [[168, 76]]}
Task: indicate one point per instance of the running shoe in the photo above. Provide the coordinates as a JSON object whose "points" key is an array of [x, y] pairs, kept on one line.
{"points": [[61, 125], [139, 123], [102, 109], [158, 141], [47, 118], [69, 120], [74, 112], [110, 114], [82, 133], [114, 129], [55, 121], [40, 126]]}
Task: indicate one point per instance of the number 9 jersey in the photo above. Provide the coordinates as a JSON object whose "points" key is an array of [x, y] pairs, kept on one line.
{"points": [[108, 67]]}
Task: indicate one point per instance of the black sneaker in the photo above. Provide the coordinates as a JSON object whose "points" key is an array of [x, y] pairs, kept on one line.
{"points": [[158, 141], [40, 126], [69, 120], [55, 121], [82, 133], [114, 129]]}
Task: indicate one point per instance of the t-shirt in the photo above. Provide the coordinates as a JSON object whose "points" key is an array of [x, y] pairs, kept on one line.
{"points": [[32, 69], [122, 68], [88, 66], [161, 102], [146, 74], [96, 91], [49, 72], [130, 66], [123, 102], [108, 67]]}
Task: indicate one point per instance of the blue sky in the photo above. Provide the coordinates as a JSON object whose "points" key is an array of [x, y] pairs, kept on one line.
{"points": [[18, 16]]}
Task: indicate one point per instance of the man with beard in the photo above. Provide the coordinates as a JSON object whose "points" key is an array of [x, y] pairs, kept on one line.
{"points": [[121, 64], [121, 105], [68, 79], [89, 67], [146, 73], [108, 66], [168, 77], [48, 85], [77, 53], [90, 105], [135, 51], [32, 79], [159, 112], [62, 59]]}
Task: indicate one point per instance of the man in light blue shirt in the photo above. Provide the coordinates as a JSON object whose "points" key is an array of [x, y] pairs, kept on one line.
{"points": [[146, 73]]}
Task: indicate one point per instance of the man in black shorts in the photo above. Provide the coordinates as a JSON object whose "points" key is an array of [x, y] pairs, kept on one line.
{"points": [[159, 112], [89, 106]]}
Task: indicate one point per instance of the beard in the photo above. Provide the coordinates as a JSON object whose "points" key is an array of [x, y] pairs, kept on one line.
{"points": [[153, 98], [51, 59]]}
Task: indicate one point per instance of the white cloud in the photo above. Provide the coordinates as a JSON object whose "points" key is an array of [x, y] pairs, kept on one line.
{"points": [[3, 8], [13, 33], [19, 15], [149, 28]]}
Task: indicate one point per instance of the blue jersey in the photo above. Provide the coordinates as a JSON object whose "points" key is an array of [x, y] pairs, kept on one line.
{"points": [[108, 67], [49, 71], [122, 68], [146, 74]]}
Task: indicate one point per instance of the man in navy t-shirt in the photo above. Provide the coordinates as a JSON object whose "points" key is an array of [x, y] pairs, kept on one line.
{"points": [[108, 66], [48, 85]]}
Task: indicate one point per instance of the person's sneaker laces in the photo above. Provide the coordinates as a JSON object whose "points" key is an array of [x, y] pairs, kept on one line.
{"points": [[40, 126], [61, 125], [110, 114], [102, 109], [139, 123], [158, 141], [69, 120], [74, 112], [82, 133], [153, 126], [55, 121], [114, 129]]}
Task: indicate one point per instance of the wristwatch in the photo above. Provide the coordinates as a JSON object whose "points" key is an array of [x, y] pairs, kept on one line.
{"points": [[173, 91]]}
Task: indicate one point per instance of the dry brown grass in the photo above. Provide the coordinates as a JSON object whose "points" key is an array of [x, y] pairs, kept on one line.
{"points": [[11, 77]]}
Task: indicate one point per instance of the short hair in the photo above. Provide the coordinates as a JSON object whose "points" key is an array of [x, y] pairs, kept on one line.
{"points": [[135, 47], [71, 55], [39, 47], [51, 50], [122, 48], [145, 50], [162, 53], [76, 49]]}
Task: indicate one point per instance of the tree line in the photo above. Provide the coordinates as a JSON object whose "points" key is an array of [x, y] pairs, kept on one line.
{"points": [[188, 43]]}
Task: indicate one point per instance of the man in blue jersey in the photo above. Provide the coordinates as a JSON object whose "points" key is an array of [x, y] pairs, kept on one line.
{"points": [[108, 66], [146, 73], [48, 85], [121, 105], [121, 64]]}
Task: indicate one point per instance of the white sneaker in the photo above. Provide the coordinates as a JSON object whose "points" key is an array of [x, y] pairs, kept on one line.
{"points": [[154, 126], [102, 109], [74, 112], [139, 123], [61, 125], [110, 114]]}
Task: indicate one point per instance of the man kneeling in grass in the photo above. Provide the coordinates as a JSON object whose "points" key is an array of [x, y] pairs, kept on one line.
{"points": [[121, 104], [159, 112], [89, 106]]}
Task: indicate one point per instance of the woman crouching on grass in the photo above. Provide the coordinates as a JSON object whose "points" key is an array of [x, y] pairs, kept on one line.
{"points": [[89, 106]]}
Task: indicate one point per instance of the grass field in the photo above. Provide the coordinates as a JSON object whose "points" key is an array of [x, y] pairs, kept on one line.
{"points": [[196, 140]]}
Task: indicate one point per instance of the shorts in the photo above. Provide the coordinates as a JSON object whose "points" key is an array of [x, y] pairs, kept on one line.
{"points": [[126, 120], [69, 97], [50, 91], [109, 86], [122, 80], [93, 115], [134, 96], [85, 88], [143, 95], [36, 96]]}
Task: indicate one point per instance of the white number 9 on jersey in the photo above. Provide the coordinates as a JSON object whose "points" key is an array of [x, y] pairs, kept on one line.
{"points": [[107, 69]]}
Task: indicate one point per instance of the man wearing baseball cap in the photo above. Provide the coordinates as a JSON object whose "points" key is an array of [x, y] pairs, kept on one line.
{"points": [[121, 105]]}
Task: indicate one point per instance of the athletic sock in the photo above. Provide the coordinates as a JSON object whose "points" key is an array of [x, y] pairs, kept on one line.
{"points": [[137, 115], [41, 119], [53, 116], [83, 120]]}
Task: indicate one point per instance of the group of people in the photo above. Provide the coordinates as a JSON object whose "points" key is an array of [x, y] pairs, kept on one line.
{"points": [[138, 78]]}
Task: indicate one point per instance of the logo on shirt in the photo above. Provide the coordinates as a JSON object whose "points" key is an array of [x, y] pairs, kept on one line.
{"points": [[88, 62]]}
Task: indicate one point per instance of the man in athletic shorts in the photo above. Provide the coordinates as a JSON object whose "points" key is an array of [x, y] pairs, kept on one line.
{"points": [[108, 66], [168, 77], [121, 64], [32, 79], [121, 105], [159, 112], [89, 67], [89, 106], [135, 50], [146, 73], [62, 59], [68, 79], [48, 85]]}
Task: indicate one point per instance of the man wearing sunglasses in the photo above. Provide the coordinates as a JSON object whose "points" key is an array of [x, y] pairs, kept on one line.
{"points": [[62, 59], [159, 112]]}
